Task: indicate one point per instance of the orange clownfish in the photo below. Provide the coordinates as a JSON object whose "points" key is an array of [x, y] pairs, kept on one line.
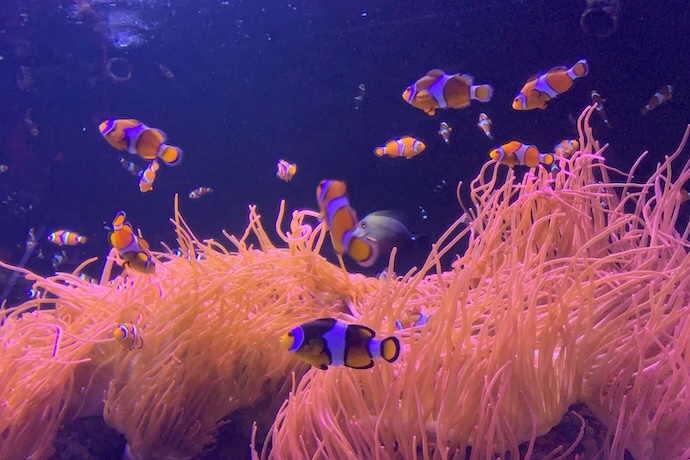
{"points": [[566, 148], [599, 101], [444, 132], [286, 170], [138, 139], [66, 238], [405, 146], [147, 177], [539, 90], [516, 153], [335, 209], [438, 90], [664, 94], [332, 342], [128, 335], [485, 125], [199, 192], [132, 248]]}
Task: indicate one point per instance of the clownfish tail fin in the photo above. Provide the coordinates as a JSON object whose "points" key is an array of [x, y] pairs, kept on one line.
{"points": [[547, 158], [481, 93], [390, 349], [172, 156], [580, 69]]}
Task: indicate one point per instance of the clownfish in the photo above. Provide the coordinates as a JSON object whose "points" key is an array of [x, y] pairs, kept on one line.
{"points": [[438, 90], [132, 248], [147, 177], [286, 170], [485, 125], [138, 139], [335, 210], [405, 146], [332, 342], [412, 320], [66, 238], [130, 167], [444, 132], [516, 153], [539, 90], [599, 101], [664, 94], [566, 148], [128, 335], [199, 192]]}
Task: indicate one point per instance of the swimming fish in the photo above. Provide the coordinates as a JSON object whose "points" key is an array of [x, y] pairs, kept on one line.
{"points": [[138, 139], [128, 335], [566, 148], [516, 153], [286, 170], [599, 101], [413, 319], [332, 342], [147, 177], [65, 237], [539, 90], [445, 132], [165, 71], [664, 94], [130, 167], [379, 232], [405, 146], [4, 168], [359, 98], [58, 259], [199, 192], [438, 90], [132, 248], [335, 209], [485, 124]]}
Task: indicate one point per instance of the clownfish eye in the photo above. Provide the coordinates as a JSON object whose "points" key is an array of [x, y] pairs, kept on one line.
{"points": [[290, 334], [363, 224]]}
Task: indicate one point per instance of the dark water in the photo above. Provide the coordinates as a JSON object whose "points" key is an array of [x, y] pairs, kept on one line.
{"points": [[256, 81]]}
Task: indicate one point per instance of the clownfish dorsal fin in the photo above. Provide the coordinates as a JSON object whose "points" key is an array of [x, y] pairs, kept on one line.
{"points": [[532, 78], [367, 332], [467, 79], [435, 73], [161, 134], [558, 69]]}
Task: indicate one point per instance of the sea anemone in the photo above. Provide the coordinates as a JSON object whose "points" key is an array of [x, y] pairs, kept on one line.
{"points": [[573, 287]]}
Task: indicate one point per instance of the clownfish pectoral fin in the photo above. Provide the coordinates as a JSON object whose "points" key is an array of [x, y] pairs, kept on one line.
{"points": [[424, 96], [431, 112]]}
